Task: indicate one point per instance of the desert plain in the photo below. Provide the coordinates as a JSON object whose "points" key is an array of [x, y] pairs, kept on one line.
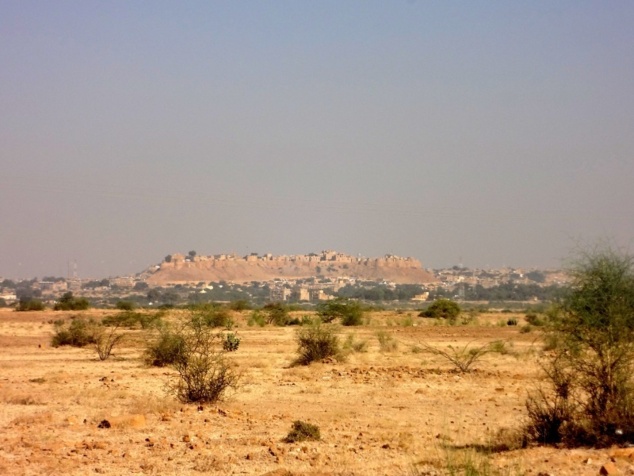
{"points": [[391, 409]]}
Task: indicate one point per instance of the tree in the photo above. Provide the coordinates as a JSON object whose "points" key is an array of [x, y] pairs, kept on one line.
{"points": [[350, 312], [30, 304], [68, 302], [443, 309], [590, 399], [168, 259], [276, 313], [191, 254]]}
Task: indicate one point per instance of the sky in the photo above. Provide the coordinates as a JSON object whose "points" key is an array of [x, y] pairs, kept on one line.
{"points": [[482, 133]]}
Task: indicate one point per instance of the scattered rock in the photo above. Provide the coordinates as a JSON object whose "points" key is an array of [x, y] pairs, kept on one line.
{"points": [[104, 424], [278, 472], [609, 469]]}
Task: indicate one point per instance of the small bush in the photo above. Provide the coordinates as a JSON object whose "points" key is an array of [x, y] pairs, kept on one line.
{"points": [[105, 341], [204, 373], [590, 395], [407, 321], [257, 318], [526, 329], [68, 302], [387, 343], [502, 347], [349, 312], [211, 315], [125, 305], [443, 309], [276, 313], [534, 319], [511, 322], [303, 431], [316, 342], [240, 305], [230, 342], [353, 345], [30, 305], [79, 333], [166, 350], [461, 357]]}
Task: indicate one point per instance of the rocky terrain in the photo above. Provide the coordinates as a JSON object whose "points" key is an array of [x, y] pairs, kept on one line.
{"points": [[390, 410], [185, 269]]}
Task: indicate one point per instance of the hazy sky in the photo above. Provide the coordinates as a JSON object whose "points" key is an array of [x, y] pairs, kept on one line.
{"points": [[484, 132]]}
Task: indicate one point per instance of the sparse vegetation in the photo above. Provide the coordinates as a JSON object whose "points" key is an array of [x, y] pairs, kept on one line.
{"points": [[276, 313], [349, 312], [230, 342], [30, 304], [68, 302], [353, 344], [204, 373], [316, 342], [462, 358], [78, 332], [165, 350], [211, 315], [442, 309], [125, 305], [133, 319], [106, 340], [387, 343], [303, 431], [590, 396], [257, 318]]}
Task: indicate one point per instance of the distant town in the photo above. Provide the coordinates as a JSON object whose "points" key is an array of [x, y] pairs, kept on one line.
{"points": [[300, 279]]}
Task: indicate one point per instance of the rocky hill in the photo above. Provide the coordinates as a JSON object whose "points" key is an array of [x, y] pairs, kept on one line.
{"points": [[179, 268]]}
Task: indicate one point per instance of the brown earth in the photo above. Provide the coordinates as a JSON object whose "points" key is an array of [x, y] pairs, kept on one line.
{"points": [[241, 270], [390, 412]]}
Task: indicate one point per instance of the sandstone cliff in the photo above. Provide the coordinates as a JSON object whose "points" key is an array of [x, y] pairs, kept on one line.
{"points": [[231, 268]]}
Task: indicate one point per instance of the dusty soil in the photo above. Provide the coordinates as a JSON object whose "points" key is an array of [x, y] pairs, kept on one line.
{"points": [[390, 411]]}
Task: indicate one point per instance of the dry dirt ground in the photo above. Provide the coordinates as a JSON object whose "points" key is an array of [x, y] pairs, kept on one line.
{"points": [[391, 411]]}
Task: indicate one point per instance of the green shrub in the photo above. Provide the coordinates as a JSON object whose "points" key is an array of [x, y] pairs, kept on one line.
{"points": [[68, 302], [349, 312], [257, 318], [534, 319], [462, 358], [303, 431], [511, 322], [30, 304], [276, 313], [442, 309], [125, 305], [211, 315], [78, 333], [590, 395], [240, 305], [132, 319], [316, 342], [230, 342], [165, 350]]}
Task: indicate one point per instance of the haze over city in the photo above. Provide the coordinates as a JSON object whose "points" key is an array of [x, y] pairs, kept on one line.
{"points": [[480, 133]]}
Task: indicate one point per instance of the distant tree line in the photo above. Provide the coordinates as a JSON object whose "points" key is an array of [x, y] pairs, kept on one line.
{"points": [[381, 292], [502, 292]]}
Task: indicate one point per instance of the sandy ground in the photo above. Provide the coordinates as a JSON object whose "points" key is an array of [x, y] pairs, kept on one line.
{"points": [[383, 412]]}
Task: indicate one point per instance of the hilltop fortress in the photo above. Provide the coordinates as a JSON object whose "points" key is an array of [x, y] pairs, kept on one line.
{"points": [[179, 268]]}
